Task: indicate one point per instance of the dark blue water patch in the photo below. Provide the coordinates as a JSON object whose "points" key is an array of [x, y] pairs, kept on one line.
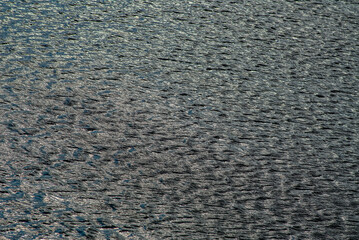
{"points": [[116, 157], [3, 228], [49, 54], [100, 221], [40, 118], [14, 106], [69, 102], [77, 153], [80, 219], [26, 58], [38, 199], [67, 205], [13, 197], [33, 80], [104, 92], [190, 112], [30, 51], [10, 165], [45, 65], [49, 110], [133, 30], [59, 230], [99, 148], [90, 163], [110, 113], [16, 236], [15, 183], [46, 175], [10, 125], [9, 80], [63, 116], [81, 231], [96, 132], [60, 53], [35, 225], [96, 157], [143, 205], [9, 90], [62, 156], [116, 154], [110, 234], [87, 112], [132, 149], [59, 212], [49, 84], [25, 148]]}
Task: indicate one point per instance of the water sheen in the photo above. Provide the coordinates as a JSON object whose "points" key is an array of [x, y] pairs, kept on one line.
{"points": [[179, 119]]}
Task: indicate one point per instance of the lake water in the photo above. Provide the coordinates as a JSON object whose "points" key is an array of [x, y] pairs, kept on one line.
{"points": [[179, 119]]}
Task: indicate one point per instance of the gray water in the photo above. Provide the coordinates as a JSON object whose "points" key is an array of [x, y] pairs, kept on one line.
{"points": [[179, 119]]}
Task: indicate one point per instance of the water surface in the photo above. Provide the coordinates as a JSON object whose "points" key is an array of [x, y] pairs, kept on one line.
{"points": [[179, 119]]}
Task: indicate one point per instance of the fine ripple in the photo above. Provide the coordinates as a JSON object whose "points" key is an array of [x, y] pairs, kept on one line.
{"points": [[179, 119]]}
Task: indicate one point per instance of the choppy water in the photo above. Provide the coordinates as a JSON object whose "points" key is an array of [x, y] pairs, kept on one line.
{"points": [[179, 119]]}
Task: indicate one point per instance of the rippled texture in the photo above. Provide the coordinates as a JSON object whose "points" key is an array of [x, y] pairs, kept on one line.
{"points": [[179, 119]]}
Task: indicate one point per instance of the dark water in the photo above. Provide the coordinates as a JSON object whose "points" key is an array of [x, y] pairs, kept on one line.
{"points": [[179, 119]]}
